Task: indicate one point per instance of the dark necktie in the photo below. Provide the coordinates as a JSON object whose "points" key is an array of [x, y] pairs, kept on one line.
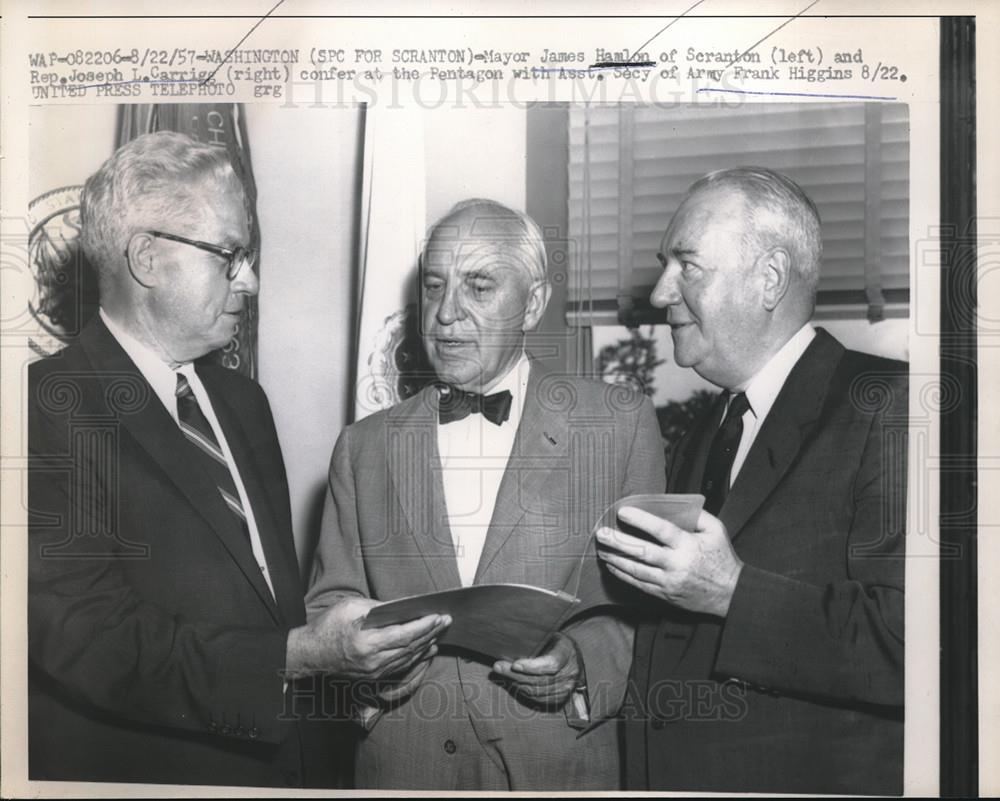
{"points": [[456, 404], [199, 433], [715, 482]]}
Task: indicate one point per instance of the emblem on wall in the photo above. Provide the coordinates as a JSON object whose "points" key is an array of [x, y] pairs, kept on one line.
{"points": [[65, 294]]}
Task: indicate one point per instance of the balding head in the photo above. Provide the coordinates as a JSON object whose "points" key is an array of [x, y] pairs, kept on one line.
{"points": [[776, 213], [483, 286], [487, 224], [740, 267]]}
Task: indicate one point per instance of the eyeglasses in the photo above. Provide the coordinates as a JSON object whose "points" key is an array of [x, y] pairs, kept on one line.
{"points": [[236, 258]]}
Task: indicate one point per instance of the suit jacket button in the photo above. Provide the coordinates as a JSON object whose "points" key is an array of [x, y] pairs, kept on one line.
{"points": [[449, 746]]}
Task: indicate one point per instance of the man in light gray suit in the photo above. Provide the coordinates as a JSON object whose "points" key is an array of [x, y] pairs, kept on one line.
{"points": [[497, 474]]}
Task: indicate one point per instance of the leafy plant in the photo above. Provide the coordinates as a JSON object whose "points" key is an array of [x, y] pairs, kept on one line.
{"points": [[677, 417], [630, 360]]}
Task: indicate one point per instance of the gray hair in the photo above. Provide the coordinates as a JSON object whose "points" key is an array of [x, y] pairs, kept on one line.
{"points": [[154, 178], [491, 224], [777, 212]]}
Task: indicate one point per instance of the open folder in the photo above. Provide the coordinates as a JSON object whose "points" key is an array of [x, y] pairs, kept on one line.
{"points": [[511, 621], [502, 621]]}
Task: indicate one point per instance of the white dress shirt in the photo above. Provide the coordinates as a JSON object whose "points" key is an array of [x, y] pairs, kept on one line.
{"points": [[474, 454], [163, 379], [762, 391]]}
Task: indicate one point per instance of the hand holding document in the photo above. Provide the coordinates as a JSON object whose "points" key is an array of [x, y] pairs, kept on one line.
{"points": [[596, 586], [548, 679], [501, 621], [335, 642], [680, 509], [512, 621], [690, 565]]}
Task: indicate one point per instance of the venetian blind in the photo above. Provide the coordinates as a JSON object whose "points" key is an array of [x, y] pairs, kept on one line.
{"points": [[629, 167]]}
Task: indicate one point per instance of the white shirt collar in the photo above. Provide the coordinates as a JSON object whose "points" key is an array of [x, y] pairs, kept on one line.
{"points": [[160, 375], [762, 390], [515, 382]]}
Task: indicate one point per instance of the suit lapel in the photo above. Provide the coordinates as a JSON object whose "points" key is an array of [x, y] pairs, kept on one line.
{"points": [[415, 471], [541, 435], [787, 426], [152, 427], [278, 547]]}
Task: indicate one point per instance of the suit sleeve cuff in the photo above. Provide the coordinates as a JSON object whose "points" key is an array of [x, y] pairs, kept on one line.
{"points": [[759, 629], [254, 697]]}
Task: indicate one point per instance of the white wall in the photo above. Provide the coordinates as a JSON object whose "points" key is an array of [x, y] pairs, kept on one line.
{"points": [[474, 153], [306, 164]]}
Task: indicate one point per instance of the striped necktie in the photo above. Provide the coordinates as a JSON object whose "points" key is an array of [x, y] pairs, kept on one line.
{"points": [[199, 433]]}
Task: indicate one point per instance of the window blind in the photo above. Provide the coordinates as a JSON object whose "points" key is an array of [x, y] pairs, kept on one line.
{"points": [[629, 167]]}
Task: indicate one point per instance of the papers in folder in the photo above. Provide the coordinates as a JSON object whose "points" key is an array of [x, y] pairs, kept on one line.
{"points": [[508, 621], [501, 621]]}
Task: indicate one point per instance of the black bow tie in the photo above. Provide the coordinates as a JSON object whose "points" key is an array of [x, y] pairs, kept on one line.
{"points": [[456, 404]]}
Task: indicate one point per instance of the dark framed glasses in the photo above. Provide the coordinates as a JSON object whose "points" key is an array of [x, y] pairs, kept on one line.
{"points": [[236, 258]]}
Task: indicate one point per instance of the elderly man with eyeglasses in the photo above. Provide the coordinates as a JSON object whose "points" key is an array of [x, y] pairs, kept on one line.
{"points": [[167, 633]]}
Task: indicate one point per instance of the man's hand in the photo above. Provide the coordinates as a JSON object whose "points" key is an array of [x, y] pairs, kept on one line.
{"points": [[335, 643], [695, 570], [393, 688], [547, 680]]}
